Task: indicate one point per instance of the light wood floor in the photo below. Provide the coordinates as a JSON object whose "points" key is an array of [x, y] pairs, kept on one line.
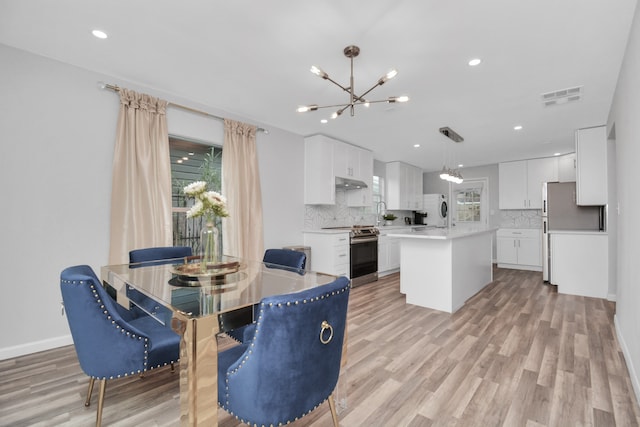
{"points": [[517, 354]]}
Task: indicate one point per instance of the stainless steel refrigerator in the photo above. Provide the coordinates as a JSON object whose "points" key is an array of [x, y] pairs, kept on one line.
{"points": [[560, 212]]}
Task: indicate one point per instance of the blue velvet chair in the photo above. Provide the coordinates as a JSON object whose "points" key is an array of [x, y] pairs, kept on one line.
{"points": [[160, 254], [239, 325], [292, 363], [278, 258], [153, 256], [109, 340]]}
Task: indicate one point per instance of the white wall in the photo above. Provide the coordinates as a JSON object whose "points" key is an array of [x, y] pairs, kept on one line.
{"points": [[624, 117], [58, 133]]}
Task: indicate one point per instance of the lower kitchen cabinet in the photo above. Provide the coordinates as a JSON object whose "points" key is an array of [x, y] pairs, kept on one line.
{"points": [[330, 252], [388, 254], [519, 248], [580, 263]]}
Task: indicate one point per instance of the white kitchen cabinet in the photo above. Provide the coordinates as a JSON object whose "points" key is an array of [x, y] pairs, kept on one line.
{"points": [[512, 185], [591, 166], [319, 179], [539, 171], [329, 252], [363, 196], [519, 248], [567, 168], [346, 160], [324, 160], [520, 182], [388, 254], [579, 263], [404, 186]]}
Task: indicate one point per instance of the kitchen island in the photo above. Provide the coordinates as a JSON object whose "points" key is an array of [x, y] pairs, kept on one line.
{"points": [[442, 268]]}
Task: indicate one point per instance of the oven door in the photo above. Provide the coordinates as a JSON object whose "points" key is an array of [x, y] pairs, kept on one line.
{"points": [[364, 260]]}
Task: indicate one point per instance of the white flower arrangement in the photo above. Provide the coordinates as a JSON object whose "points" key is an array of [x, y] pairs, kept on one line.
{"points": [[208, 203]]}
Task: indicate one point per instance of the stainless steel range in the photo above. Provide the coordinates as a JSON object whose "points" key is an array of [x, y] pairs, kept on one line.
{"points": [[363, 244]]}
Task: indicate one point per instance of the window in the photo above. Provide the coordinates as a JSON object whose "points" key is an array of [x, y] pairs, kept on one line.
{"points": [[468, 205], [190, 162], [470, 202]]}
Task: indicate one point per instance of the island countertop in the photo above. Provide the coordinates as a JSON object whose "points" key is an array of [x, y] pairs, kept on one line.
{"points": [[443, 233]]}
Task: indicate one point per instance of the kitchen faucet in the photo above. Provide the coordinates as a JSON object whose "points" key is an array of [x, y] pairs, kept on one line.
{"points": [[379, 212]]}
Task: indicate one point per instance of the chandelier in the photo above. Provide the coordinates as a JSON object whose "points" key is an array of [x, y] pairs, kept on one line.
{"points": [[354, 99]]}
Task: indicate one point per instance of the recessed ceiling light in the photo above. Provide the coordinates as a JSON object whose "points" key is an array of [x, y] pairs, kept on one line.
{"points": [[416, 145], [192, 154], [99, 34], [460, 165], [323, 121], [474, 62], [518, 127], [185, 158], [556, 154], [179, 161]]}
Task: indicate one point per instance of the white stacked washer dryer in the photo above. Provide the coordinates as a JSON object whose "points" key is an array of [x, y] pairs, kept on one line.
{"points": [[435, 205]]}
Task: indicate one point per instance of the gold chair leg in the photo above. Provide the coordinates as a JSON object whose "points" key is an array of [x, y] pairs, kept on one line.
{"points": [[88, 401], [334, 414], [103, 389]]}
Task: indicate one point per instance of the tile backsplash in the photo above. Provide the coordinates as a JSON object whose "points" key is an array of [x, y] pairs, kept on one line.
{"points": [[342, 215], [525, 218], [338, 215]]}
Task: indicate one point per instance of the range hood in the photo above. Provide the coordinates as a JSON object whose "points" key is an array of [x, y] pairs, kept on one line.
{"points": [[349, 184]]}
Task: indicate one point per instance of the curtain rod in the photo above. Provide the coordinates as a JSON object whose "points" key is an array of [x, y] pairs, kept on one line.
{"points": [[116, 88]]}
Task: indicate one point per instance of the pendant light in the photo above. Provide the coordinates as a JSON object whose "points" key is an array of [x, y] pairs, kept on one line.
{"points": [[448, 174]]}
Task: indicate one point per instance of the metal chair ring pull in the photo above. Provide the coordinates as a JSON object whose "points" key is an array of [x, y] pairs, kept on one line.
{"points": [[325, 326]]}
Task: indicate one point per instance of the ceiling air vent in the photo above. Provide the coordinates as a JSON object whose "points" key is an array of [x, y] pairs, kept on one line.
{"points": [[563, 96], [449, 133]]}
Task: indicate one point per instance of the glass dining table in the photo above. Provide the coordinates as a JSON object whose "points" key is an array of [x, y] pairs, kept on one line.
{"points": [[192, 302]]}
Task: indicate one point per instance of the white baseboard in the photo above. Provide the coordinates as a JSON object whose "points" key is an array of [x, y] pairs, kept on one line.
{"points": [[34, 347], [635, 381], [520, 267]]}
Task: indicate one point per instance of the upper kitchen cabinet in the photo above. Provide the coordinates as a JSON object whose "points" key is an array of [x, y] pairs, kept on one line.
{"points": [[326, 159], [567, 168], [363, 196], [591, 166], [520, 182], [319, 179], [404, 186]]}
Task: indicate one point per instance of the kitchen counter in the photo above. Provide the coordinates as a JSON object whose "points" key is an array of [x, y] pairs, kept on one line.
{"points": [[579, 232], [442, 268], [443, 233], [326, 231]]}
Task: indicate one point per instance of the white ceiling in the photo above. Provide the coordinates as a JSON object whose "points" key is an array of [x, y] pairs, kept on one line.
{"points": [[252, 58]]}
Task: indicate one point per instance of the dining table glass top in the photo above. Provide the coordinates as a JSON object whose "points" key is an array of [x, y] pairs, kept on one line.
{"points": [[182, 285]]}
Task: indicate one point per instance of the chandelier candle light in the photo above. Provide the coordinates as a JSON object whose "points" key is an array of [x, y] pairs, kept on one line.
{"points": [[351, 52], [208, 204]]}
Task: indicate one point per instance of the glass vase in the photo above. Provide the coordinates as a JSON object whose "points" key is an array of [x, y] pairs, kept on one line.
{"points": [[208, 245]]}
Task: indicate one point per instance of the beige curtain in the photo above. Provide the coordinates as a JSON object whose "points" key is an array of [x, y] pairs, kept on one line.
{"points": [[242, 230], [141, 184]]}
